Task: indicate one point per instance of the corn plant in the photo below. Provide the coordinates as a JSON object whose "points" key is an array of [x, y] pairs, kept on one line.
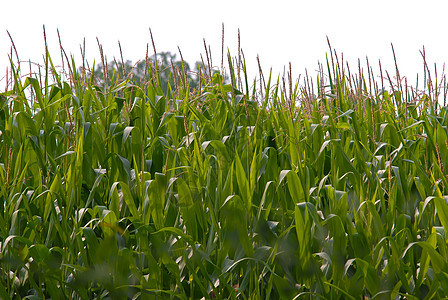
{"points": [[112, 189]]}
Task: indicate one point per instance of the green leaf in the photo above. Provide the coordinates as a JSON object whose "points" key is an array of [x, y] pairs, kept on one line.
{"points": [[243, 184], [234, 224], [294, 185], [437, 261]]}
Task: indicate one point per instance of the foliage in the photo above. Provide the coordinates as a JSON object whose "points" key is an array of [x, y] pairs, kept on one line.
{"points": [[170, 71], [121, 190]]}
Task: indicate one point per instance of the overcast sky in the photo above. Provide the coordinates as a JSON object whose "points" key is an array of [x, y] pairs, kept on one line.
{"points": [[278, 31]]}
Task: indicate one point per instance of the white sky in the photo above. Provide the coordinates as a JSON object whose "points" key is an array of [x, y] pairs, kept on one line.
{"points": [[278, 31]]}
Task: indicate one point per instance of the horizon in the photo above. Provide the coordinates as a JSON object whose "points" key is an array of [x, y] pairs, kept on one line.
{"points": [[277, 43]]}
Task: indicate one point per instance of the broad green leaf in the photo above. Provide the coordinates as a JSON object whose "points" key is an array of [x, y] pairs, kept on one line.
{"points": [[243, 184], [294, 185], [234, 224]]}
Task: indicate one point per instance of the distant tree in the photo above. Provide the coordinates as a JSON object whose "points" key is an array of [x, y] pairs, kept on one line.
{"points": [[171, 71]]}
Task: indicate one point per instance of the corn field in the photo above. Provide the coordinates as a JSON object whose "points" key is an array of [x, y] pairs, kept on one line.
{"points": [[335, 188]]}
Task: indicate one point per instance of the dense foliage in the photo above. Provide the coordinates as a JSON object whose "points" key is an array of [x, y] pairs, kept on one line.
{"points": [[118, 190]]}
